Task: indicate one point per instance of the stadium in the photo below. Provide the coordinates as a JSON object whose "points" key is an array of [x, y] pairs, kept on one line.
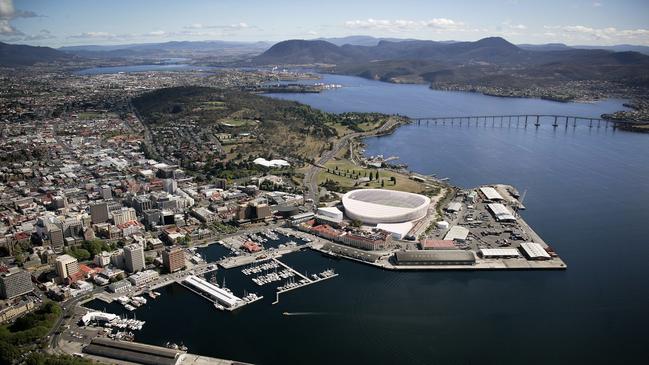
{"points": [[377, 206]]}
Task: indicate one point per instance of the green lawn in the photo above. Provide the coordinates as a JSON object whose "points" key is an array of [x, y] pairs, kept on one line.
{"points": [[348, 179], [230, 122]]}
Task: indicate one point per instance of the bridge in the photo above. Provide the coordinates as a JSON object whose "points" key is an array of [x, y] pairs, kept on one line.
{"points": [[523, 120]]}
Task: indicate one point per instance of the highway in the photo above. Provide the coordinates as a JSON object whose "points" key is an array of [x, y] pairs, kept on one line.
{"points": [[311, 176]]}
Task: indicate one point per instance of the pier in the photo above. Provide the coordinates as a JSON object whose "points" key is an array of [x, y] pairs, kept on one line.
{"points": [[290, 268], [221, 298], [523, 121], [308, 282]]}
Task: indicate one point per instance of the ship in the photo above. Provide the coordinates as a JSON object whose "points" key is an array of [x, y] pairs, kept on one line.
{"points": [[331, 254]]}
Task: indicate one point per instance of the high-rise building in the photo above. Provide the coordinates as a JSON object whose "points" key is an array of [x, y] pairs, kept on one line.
{"points": [[106, 192], [99, 212], [56, 237], [124, 215], [262, 211], [102, 259], [66, 266], [173, 258], [15, 282], [152, 217], [133, 257], [59, 202], [170, 185], [72, 227], [142, 203]]}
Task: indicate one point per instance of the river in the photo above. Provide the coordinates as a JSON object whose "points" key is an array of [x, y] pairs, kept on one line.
{"points": [[587, 195], [143, 68]]}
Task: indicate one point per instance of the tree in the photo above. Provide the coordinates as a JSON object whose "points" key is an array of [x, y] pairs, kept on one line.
{"points": [[80, 254], [382, 183]]}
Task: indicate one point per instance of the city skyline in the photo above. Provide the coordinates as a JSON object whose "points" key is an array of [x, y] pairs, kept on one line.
{"points": [[75, 22]]}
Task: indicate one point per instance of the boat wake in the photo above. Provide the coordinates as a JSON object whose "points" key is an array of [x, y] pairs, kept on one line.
{"points": [[304, 313]]}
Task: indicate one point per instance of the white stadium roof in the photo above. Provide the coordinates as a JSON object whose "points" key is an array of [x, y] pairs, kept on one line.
{"points": [[398, 230], [374, 206], [490, 193]]}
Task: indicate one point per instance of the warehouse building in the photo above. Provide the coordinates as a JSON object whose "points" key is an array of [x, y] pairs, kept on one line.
{"points": [[491, 193], [429, 244], [534, 251], [454, 207], [132, 352], [499, 253], [457, 233], [435, 257], [501, 213]]}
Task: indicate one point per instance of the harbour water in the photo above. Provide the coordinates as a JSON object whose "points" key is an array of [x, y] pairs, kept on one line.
{"points": [[587, 195], [143, 68]]}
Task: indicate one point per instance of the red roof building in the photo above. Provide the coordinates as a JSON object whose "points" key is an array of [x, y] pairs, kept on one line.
{"points": [[251, 246], [437, 245]]}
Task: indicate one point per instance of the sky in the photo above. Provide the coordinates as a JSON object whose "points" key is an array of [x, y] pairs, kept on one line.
{"points": [[58, 23]]}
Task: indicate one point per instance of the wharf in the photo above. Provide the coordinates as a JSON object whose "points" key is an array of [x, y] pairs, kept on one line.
{"points": [[310, 281], [556, 263], [237, 261], [291, 269], [240, 304]]}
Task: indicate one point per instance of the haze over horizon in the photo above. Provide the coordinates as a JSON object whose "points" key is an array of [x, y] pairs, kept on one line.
{"points": [[79, 22]]}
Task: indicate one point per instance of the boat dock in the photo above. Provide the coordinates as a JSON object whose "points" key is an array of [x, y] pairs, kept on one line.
{"points": [[290, 268], [327, 274], [222, 298]]}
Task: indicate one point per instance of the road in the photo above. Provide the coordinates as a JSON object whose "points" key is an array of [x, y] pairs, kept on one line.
{"points": [[67, 309], [311, 176]]}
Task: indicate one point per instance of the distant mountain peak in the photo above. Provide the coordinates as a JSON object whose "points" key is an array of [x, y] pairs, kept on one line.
{"points": [[495, 42]]}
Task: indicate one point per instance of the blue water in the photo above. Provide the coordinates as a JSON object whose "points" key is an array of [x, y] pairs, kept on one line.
{"points": [[362, 95], [587, 195], [143, 68]]}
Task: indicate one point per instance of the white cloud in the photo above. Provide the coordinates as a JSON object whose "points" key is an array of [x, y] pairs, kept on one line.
{"points": [[241, 25], [94, 35], [597, 4], [609, 35], [157, 33], [9, 13], [508, 24], [41, 35], [440, 24]]}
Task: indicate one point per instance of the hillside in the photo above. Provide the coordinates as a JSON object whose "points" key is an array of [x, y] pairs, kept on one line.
{"points": [[492, 50], [257, 126], [23, 55], [216, 132], [492, 63], [303, 52], [168, 49]]}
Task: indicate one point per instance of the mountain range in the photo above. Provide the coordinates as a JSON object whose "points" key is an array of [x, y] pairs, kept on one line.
{"points": [[490, 61], [492, 50], [23, 55], [167, 49]]}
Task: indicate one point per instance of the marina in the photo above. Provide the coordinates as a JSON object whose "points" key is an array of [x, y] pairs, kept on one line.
{"points": [[365, 302], [222, 298]]}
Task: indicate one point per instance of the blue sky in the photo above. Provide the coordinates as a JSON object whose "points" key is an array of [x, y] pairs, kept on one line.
{"points": [[73, 22]]}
